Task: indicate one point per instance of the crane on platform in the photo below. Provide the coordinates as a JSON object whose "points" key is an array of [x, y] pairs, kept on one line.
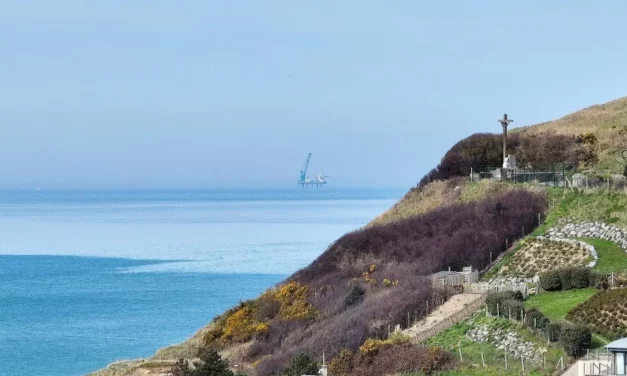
{"points": [[303, 172], [306, 181]]}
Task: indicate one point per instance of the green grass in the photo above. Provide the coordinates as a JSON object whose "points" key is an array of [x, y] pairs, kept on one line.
{"points": [[612, 259], [605, 207], [555, 305], [455, 338]]}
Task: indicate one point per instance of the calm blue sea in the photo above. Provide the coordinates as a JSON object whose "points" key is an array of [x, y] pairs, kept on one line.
{"points": [[90, 277]]}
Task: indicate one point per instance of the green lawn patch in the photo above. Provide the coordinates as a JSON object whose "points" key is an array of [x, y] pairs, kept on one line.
{"points": [[555, 305], [612, 259]]}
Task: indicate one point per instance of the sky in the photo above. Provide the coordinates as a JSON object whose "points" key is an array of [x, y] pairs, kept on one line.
{"points": [[221, 94]]}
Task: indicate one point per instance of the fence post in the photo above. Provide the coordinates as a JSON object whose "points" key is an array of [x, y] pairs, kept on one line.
{"points": [[461, 358], [498, 313], [482, 360], [522, 362], [562, 362], [505, 360]]}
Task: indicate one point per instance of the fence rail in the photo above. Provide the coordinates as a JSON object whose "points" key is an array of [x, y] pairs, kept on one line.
{"points": [[486, 288]]}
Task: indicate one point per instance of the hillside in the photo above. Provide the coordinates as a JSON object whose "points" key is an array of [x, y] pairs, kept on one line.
{"points": [[608, 122], [369, 281]]}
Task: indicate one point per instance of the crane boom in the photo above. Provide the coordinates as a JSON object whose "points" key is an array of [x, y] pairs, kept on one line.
{"points": [[303, 172]]}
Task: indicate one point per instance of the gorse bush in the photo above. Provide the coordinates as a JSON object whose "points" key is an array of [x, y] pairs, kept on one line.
{"points": [[293, 298], [342, 299], [343, 364]]}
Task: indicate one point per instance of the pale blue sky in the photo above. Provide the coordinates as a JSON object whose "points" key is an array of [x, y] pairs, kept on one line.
{"points": [[229, 93]]}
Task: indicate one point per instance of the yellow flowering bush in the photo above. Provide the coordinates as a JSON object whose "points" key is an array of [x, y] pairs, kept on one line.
{"points": [[295, 305]]}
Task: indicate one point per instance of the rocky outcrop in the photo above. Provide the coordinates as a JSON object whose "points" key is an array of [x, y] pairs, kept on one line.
{"points": [[567, 228], [511, 283], [507, 340]]}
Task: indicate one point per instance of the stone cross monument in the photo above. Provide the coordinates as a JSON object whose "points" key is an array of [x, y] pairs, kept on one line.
{"points": [[505, 122]]}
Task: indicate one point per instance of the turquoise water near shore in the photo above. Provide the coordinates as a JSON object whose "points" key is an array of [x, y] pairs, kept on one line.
{"points": [[90, 277]]}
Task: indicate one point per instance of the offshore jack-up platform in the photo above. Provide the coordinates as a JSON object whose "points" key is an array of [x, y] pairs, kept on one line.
{"points": [[306, 181]]}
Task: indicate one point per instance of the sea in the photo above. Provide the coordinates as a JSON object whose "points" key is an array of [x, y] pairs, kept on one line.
{"points": [[88, 277]]}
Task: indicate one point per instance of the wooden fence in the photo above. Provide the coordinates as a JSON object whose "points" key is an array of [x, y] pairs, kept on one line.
{"points": [[486, 288], [461, 315]]}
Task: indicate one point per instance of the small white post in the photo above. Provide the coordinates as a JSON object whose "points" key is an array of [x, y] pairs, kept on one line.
{"points": [[482, 360], [461, 358]]}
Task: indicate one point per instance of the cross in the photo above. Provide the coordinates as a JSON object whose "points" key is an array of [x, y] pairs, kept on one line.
{"points": [[505, 122]]}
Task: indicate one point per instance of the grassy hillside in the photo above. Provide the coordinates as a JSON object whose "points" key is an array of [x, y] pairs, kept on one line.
{"points": [[437, 194], [556, 305], [608, 122]]}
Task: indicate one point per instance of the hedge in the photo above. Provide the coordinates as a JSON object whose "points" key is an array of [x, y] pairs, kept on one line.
{"points": [[535, 319], [499, 299], [566, 279], [553, 331], [550, 281], [575, 339]]}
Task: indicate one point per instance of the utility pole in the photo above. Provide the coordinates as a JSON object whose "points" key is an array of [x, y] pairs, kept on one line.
{"points": [[505, 122]]}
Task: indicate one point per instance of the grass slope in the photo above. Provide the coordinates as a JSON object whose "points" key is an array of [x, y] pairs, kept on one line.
{"points": [[610, 208], [612, 259], [438, 194], [454, 339], [555, 305], [607, 121]]}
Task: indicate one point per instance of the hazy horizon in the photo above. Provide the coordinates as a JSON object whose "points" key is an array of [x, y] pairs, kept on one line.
{"points": [[227, 94]]}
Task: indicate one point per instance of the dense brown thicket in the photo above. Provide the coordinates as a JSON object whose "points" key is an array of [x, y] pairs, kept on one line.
{"points": [[486, 149], [455, 236], [391, 264]]}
